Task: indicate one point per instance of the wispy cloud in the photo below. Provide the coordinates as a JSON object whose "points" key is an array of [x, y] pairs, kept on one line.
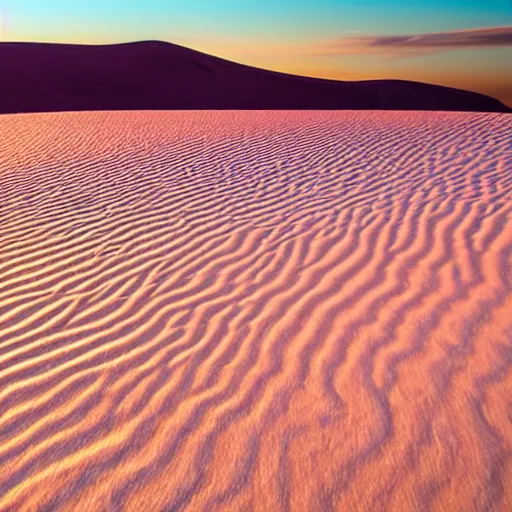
{"points": [[413, 43], [496, 36]]}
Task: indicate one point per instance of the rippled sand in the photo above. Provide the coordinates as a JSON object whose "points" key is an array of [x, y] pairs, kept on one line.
{"points": [[260, 311]]}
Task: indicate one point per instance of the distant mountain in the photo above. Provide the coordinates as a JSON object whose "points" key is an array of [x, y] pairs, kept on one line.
{"points": [[154, 75]]}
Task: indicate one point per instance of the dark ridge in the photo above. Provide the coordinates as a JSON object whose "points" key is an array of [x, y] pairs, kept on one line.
{"points": [[154, 75]]}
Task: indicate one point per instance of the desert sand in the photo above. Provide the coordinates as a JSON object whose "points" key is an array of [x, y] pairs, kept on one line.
{"points": [[156, 75], [303, 311]]}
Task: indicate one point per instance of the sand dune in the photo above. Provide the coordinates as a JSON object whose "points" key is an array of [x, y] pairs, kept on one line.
{"points": [[256, 311], [154, 75]]}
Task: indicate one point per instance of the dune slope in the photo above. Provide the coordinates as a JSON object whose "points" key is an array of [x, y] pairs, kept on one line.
{"points": [[154, 75], [256, 311]]}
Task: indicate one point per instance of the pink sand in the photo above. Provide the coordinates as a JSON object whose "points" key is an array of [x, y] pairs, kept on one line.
{"points": [[256, 311]]}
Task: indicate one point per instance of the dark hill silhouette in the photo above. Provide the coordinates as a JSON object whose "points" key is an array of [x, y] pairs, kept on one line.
{"points": [[153, 75]]}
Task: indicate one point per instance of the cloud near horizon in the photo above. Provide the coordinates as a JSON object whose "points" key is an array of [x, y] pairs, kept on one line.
{"points": [[414, 43]]}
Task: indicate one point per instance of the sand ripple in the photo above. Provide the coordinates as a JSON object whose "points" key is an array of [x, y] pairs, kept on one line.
{"points": [[256, 311]]}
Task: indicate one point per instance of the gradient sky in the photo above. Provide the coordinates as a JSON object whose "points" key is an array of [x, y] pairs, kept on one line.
{"points": [[329, 38]]}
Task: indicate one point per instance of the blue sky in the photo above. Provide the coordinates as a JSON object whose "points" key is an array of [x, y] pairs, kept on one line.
{"points": [[267, 18], [283, 34]]}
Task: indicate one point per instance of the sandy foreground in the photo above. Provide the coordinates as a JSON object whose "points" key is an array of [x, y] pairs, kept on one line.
{"points": [[262, 311]]}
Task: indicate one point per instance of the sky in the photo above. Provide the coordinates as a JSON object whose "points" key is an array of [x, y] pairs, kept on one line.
{"points": [[460, 43]]}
